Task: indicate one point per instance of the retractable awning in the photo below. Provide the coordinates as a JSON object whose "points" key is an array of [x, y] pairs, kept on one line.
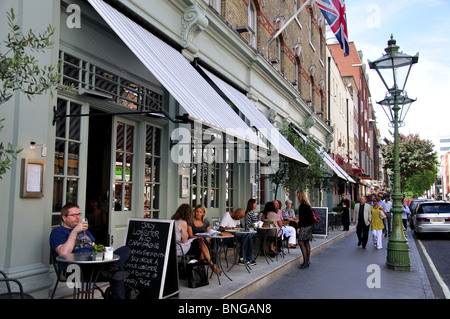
{"points": [[331, 163], [177, 75], [257, 119], [335, 167]]}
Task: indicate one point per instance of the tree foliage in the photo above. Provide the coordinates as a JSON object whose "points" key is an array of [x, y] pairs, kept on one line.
{"points": [[20, 71], [418, 163], [296, 176]]}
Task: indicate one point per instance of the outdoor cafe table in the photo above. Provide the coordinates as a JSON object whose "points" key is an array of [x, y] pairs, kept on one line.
{"points": [[218, 245], [246, 233], [90, 270]]}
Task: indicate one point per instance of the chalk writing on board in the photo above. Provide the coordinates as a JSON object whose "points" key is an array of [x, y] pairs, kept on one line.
{"points": [[148, 240]]}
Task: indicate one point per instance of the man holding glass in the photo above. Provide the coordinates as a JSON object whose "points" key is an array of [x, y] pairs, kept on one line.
{"points": [[73, 236]]}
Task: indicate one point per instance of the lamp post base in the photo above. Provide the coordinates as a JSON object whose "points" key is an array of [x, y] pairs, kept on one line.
{"points": [[398, 256]]}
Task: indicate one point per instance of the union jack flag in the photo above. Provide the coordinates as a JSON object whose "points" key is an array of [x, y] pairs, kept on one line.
{"points": [[334, 13]]}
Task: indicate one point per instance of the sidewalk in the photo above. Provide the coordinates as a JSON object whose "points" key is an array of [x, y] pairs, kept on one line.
{"points": [[339, 271], [343, 271]]}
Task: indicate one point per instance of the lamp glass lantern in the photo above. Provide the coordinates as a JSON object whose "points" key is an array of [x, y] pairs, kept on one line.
{"points": [[388, 104], [394, 68]]}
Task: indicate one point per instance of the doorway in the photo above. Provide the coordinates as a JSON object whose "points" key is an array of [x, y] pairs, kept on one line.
{"points": [[98, 176]]}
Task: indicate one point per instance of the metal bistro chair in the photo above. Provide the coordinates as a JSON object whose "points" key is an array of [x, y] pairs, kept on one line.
{"points": [[10, 294], [60, 275], [272, 235], [182, 262]]}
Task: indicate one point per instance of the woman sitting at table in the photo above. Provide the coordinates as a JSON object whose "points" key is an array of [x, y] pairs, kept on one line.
{"points": [[250, 216], [269, 214], [197, 247], [199, 223], [288, 231]]}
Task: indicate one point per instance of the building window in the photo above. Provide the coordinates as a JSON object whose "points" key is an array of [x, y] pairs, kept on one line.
{"points": [[229, 180], [260, 184], [311, 30], [217, 5], [311, 90], [152, 182], [253, 24], [298, 74], [204, 179], [124, 170], [279, 54], [321, 47], [82, 74], [67, 154]]}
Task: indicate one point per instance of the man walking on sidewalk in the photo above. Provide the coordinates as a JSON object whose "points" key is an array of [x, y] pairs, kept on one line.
{"points": [[362, 219]]}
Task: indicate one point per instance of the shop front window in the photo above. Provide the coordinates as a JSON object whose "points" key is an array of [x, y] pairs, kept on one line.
{"points": [[67, 157], [152, 172], [124, 167], [204, 178]]}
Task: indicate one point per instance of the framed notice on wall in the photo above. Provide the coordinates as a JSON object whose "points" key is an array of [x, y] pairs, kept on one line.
{"points": [[33, 172], [184, 186]]}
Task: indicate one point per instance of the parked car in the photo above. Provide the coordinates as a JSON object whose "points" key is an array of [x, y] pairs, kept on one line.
{"points": [[412, 208], [432, 217]]}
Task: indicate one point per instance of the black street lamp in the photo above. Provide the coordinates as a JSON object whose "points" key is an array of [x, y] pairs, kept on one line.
{"points": [[392, 62]]}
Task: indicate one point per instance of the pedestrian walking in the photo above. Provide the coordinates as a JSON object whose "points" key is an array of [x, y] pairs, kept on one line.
{"points": [[388, 219], [305, 226], [362, 219], [377, 223], [406, 214]]}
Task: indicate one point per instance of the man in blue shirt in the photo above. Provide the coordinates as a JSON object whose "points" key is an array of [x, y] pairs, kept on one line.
{"points": [[74, 237]]}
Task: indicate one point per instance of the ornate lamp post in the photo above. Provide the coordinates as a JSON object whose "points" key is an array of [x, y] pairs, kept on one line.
{"points": [[392, 62]]}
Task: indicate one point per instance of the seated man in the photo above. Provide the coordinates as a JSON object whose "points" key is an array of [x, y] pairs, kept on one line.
{"points": [[74, 237], [232, 220]]}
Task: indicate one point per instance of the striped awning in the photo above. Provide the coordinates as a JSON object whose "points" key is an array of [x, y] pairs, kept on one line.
{"points": [[177, 75], [256, 118]]}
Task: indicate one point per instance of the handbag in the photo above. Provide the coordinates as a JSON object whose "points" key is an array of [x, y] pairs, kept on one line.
{"points": [[316, 218], [382, 215], [196, 274]]}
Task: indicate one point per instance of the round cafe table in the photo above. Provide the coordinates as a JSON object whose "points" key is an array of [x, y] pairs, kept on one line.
{"points": [[218, 245], [246, 233], [86, 275]]}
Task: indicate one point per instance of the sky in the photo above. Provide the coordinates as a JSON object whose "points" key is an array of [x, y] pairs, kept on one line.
{"points": [[417, 26]]}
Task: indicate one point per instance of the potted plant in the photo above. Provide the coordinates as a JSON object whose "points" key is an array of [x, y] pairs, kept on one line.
{"points": [[97, 252]]}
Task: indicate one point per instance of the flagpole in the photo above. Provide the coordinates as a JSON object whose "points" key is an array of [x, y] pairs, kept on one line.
{"points": [[289, 21]]}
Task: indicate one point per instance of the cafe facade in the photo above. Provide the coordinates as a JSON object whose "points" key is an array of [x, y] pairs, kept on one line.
{"points": [[160, 103]]}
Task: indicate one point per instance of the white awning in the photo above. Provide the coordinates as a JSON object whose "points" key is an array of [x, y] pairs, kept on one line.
{"points": [[335, 167], [257, 119], [177, 75], [339, 171]]}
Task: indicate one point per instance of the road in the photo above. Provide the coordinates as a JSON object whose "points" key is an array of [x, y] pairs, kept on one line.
{"points": [[435, 252]]}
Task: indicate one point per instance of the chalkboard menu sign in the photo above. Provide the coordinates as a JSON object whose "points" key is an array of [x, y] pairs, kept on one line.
{"points": [[152, 263], [321, 228]]}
